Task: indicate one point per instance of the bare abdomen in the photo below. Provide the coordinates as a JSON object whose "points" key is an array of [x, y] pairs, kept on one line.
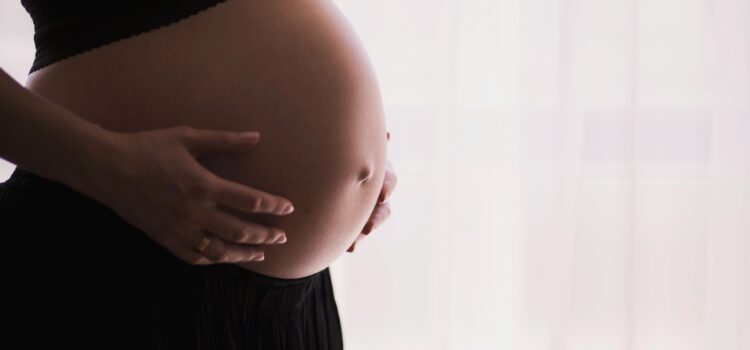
{"points": [[292, 70]]}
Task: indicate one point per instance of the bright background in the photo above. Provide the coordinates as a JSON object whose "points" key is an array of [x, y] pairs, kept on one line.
{"points": [[573, 174]]}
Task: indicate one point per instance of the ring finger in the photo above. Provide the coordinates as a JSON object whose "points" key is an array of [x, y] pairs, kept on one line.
{"points": [[217, 250], [234, 230]]}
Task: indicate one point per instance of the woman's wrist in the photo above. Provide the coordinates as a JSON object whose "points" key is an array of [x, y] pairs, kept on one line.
{"points": [[94, 151], [49, 140]]}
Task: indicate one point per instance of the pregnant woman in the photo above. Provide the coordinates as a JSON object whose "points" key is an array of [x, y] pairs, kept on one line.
{"points": [[140, 218]]}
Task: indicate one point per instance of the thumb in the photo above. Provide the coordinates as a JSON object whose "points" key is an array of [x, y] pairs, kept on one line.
{"points": [[202, 141]]}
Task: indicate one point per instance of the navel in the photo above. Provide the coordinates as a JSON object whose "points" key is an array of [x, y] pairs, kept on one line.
{"points": [[365, 174]]}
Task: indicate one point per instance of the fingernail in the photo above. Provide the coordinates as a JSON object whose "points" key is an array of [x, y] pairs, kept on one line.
{"points": [[351, 249], [367, 229], [287, 208], [381, 197], [388, 135], [277, 237], [249, 135], [280, 239]]}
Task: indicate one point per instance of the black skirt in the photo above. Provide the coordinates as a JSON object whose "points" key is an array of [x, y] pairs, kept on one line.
{"points": [[75, 274]]}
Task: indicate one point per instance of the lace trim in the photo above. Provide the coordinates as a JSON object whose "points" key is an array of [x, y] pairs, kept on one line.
{"points": [[62, 48]]}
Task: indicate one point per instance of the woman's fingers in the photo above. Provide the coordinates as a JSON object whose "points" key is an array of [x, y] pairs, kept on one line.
{"points": [[236, 195], [190, 256], [202, 141], [378, 216], [382, 209], [219, 251], [245, 198], [389, 183], [232, 229]]}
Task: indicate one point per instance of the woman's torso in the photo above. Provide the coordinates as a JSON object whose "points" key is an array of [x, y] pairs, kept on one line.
{"points": [[293, 70]]}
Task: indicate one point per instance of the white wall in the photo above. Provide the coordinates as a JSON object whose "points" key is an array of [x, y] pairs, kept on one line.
{"points": [[16, 51]]}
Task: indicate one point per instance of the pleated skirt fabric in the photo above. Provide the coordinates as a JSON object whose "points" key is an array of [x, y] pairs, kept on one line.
{"points": [[74, 274]]}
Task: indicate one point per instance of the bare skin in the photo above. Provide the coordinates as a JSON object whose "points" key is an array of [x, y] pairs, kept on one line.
{"points": [[383, 208], [151, 178], [292, 70]]}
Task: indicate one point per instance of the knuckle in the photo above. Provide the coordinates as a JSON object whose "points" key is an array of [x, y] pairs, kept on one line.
{"points": [[199, 187], [219, 255], [225, 137], [259, 236], [267, 236], [236, 235], [255, 203], [250, 237]]}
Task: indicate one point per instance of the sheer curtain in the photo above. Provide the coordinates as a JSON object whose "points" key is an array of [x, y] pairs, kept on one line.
{"points": [[573, 175]]}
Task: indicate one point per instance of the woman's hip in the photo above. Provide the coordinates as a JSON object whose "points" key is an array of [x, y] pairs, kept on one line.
{"points": [[74, 271]]}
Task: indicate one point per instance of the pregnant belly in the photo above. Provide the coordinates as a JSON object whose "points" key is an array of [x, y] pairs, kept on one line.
{"points": [[293, 70]]}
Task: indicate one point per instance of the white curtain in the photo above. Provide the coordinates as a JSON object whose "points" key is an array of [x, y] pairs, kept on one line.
{"points": [[573, 175]]}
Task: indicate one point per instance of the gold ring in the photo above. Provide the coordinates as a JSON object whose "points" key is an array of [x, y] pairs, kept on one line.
{"points": [[205, 241]]}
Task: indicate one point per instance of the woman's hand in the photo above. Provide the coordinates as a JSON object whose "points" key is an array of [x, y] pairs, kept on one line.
{"points": [[382, 208], [152, 180]]}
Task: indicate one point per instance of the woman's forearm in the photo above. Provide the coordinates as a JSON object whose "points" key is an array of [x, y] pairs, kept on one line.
{"points": [[47, 139]]}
